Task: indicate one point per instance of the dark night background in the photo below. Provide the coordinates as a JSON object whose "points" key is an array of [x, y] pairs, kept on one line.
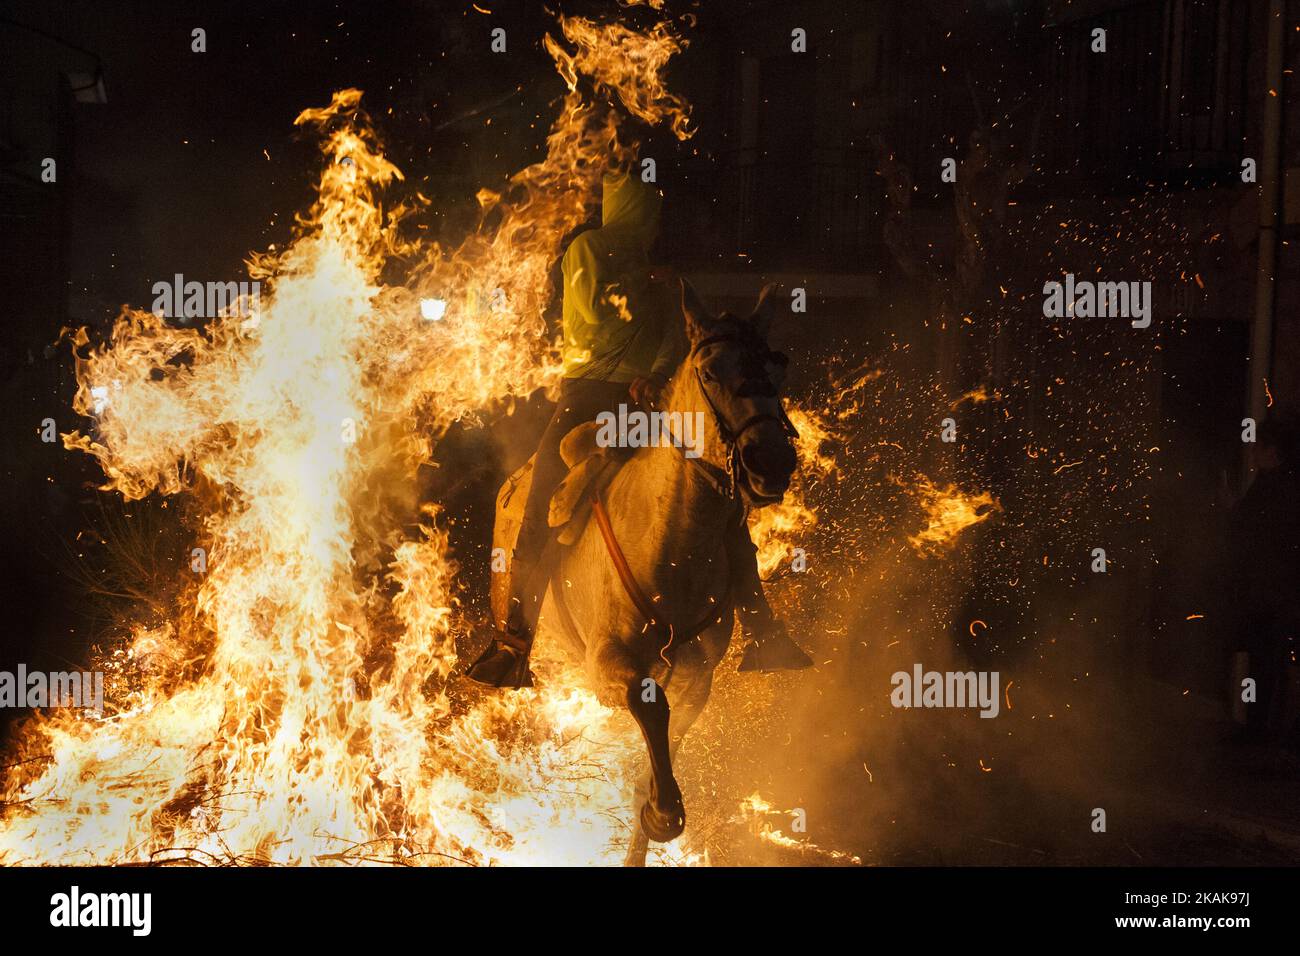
{"points": [[1124, 164]]}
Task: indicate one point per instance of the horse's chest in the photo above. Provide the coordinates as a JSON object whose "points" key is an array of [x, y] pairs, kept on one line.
{"points": [[687, 583]]}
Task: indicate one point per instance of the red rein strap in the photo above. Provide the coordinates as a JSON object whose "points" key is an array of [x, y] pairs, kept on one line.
{"points": [[633, 589], [634, 592]]}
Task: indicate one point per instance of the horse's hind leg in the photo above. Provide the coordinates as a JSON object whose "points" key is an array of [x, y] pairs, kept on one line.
{"points": [[639, 845]]}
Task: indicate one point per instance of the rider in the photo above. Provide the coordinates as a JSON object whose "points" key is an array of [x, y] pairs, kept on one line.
{"points": [[620, 340]]}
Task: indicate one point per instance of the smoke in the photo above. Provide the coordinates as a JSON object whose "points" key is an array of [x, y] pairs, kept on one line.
{"points": [[1016, 594]]}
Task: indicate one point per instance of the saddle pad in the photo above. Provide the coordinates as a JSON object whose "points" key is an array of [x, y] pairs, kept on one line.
{"points": [[591, 468], [580, 444], [568, 512], [571, 504]]}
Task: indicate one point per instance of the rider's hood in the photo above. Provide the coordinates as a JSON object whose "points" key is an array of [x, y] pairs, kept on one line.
{"points": [[630, 208]]}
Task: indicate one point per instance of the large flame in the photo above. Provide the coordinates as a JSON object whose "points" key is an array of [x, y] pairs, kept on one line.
{"points": [[295, 708], [779, 529], [948, 511]]}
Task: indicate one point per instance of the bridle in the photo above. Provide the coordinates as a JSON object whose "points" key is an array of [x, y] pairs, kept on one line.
{"points": [[727, 481]]}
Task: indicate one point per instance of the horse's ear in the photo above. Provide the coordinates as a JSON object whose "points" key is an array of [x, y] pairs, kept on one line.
{"points": [[697, 316], [760, 320]]}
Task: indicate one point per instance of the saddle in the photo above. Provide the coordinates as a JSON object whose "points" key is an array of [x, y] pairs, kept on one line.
{"points": [[591, 469], [573, 505]]}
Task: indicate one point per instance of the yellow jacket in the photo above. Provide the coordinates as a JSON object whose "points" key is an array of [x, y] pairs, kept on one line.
{"points": [[617, 324]]}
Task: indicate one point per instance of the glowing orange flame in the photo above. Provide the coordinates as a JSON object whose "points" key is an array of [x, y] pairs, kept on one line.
{"points": [[762, 818], [295, 709], [778, 529], [948, 511]]}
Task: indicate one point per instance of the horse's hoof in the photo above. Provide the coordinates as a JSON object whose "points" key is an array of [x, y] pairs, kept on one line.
{"points": [[663, 827]]}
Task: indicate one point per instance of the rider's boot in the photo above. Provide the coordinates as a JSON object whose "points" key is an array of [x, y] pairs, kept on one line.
{"points": [[504, 662], [769, 646]]}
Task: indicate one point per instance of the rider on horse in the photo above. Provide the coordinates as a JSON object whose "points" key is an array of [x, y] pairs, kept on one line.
{"points": [[621, 339]]}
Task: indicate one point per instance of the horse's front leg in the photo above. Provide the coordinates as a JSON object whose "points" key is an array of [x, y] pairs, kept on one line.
{"points": [[690, 683], [617, 673], [663, 815]]}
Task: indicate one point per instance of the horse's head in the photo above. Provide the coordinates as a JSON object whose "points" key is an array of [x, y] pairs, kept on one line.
{"points": [[738, 380]]}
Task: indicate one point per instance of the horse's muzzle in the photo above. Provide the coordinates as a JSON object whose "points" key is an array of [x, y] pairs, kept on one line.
{"points": [[769, 461]]}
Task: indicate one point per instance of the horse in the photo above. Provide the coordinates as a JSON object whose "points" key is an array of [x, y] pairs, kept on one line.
{"points": [[666, 513]]}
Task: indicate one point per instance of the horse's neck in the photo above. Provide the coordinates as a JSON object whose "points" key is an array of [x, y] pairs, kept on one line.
{"points": [[662, 498]]}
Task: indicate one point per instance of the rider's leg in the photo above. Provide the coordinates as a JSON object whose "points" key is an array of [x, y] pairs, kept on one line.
{"points": [[505, 661], [581, 400], [769, 645]]}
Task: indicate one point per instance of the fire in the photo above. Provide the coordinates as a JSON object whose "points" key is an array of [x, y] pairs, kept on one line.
{"points": [[778, 528], [630, 63], [296, 707], [976, 396], [762, 819], [948, 511]]}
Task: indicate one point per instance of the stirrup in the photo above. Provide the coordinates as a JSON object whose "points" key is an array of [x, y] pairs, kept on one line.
{"points": [[501, 665], [504, 662]]}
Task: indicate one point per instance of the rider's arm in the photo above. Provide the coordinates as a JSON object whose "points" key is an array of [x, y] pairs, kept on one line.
{"points": [[582, 285], [672, 344]]}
